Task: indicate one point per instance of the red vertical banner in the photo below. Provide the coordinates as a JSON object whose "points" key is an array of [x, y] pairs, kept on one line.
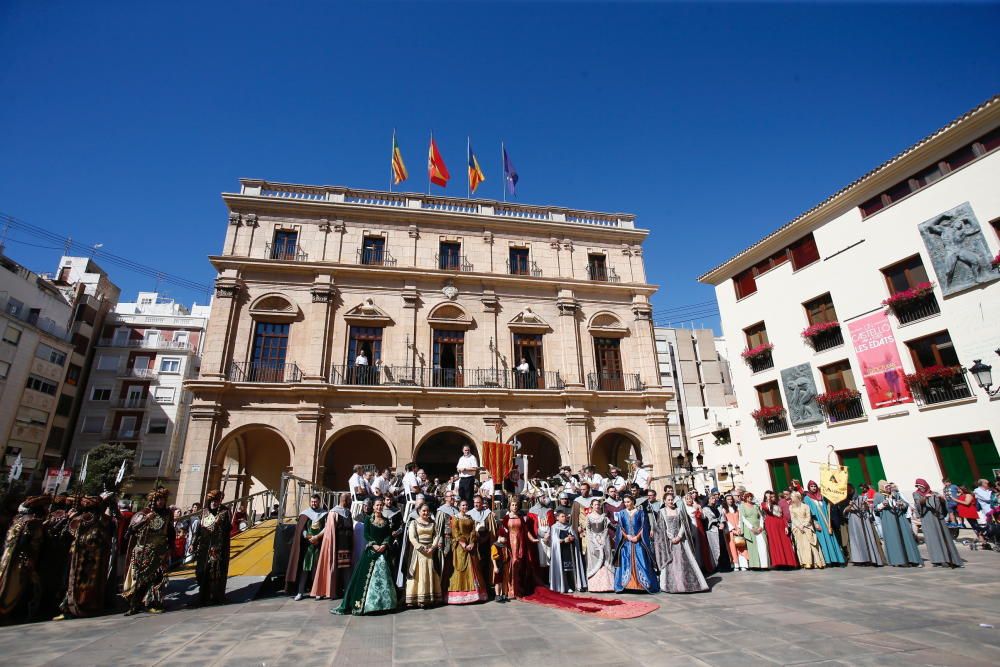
{"points": [[881, 368], [498, 457]]}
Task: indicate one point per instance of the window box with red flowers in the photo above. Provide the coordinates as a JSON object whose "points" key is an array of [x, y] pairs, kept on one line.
{"points": [[996, 262], [759, 357], [913, 304], [841, 405], [823, 335], [938, 384], [770, 419]]}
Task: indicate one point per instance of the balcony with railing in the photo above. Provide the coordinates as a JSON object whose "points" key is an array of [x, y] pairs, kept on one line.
{"points": [[760, 362], [827, 339], [147, 344], [609, 381], [138, 374], [461, 378], [121, 434], [843, 411], [129, 403], [602, 273], [523, 267], [32, 316], [448, 262], [264, 372], [773, 425], [942, 390], [916, 309], [287, 252], [375, 257]]}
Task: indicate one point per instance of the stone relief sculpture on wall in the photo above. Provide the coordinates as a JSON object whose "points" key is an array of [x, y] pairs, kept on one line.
{"points": [[958, 250], [800, 392]]}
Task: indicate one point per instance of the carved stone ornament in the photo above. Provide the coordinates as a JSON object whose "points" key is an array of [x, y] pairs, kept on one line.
{"points": [[958, 250], [449, 291], [568, 244], [227, 291], [491, 304], [413, 232], [234, 218], [322, 295], [324, 225], [554, 243], [800, 392], [567, 306], [250, 220], [637, 250], [626, 250], [488, 237], [642, 311]]}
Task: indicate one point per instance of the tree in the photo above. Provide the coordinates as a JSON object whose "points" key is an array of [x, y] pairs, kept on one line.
{"points": [[103, 463]]}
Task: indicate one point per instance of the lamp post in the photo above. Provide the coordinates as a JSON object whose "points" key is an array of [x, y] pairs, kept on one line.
{"points": [[984, 375]]}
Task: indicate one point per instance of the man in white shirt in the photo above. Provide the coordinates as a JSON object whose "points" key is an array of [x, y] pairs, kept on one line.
{"points": [[382, 485], [361, 359], [486, 488], [467, 468], [641, 475], [410, 482], [594, 478], [616, 479], [357, 484]]}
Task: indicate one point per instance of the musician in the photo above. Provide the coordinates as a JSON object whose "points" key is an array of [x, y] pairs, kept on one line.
{"points": [[512, 483], [612, 503], [410, 482], [468, 467], [616, 480], [383, 484], [642, 475], [486, 488], [594, 478], [358, 484]]}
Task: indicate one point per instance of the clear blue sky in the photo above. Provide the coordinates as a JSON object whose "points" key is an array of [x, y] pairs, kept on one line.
{"points": [[713, 123]]}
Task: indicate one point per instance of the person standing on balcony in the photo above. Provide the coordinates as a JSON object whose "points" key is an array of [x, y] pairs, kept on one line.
{"points": [[467, 468]]}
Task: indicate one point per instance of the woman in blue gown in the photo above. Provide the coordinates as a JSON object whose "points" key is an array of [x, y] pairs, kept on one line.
{"points": [[820, 508], [634, 569]]}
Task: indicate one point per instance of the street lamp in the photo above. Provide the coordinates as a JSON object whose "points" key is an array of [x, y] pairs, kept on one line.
{"points": [[984, 375]]}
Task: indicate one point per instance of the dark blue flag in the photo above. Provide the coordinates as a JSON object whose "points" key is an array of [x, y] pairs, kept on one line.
{"points": [[509, 173]]}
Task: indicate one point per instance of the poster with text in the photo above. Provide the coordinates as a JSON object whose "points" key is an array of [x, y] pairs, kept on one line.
{"points": [[878, 355]]}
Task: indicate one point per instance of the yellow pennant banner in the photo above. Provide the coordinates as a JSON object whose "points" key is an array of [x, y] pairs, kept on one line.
{"points": [[833, 482]]}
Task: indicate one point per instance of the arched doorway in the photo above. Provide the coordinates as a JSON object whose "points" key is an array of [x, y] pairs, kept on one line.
{"points": [[438, 455], [614, 449], [348, 449], [251, 460], [543, 454]]}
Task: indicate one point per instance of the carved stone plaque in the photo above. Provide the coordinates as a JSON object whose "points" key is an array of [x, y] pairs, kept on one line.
{"points": [[800, 393], [958, 250]]}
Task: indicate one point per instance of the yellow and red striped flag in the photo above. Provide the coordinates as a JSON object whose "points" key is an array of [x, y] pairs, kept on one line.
{"points": [[498, 458], [399, 173], [476, 175]]}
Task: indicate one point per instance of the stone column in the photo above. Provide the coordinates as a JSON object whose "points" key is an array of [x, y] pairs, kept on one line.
{"points": [[578, 427], [222, 322], [572, 363], [310, 433], [644, 360], [320, 322], [203, 437], [659, 442]]}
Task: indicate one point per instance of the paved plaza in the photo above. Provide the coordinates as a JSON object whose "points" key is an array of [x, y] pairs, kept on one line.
{"points": [[853, 616]]}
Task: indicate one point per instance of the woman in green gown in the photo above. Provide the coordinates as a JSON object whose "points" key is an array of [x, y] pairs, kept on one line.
{"points": [[371, 589]]}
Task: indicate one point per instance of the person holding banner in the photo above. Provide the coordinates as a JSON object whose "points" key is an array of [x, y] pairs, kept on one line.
{"points": [[820, 508]]}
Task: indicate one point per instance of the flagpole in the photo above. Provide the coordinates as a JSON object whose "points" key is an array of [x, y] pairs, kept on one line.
{"points": [[392, 158], [503, 170], [429, 149], [468, 161]]}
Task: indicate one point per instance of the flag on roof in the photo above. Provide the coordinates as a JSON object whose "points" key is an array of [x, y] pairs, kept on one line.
{"points": [[476, 175], [509, 173], [399, 172], [436, 170]]}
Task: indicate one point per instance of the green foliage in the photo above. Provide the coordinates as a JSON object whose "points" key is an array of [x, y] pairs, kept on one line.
{"points": [[102, 468]]}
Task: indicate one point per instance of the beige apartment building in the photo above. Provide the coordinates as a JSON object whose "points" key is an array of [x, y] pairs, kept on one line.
{"points": [[363, 327]]}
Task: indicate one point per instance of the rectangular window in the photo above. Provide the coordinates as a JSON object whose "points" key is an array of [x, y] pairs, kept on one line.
{"points": [[101, 394], [373, 250], [837, 376], [528, 351], [756, 335], [517, 262], [450, 256], [597, 266], [32, 416], [14, 307], [966, 458], [904, 275], [107, 362], [864, 465], [364, 346], [285, 244], [12, 335], [164, 395], [783, 471], [608, 357], [820, 310], [4, 370], [158, 425], [150, 459], [50, 354], [170, 365], [934, 350], [92, 424], [64, 406], [41, 384], [804, 252], [873, 205], [270, 345], [73, 374], [744, 283], [777, 259], [448, 358], [768, 395]]}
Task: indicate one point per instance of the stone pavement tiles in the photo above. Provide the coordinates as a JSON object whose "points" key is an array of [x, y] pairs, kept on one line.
{"points": [[852, 616]]}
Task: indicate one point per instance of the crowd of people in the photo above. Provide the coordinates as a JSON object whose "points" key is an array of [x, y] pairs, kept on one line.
{"points": [[77, 556]]}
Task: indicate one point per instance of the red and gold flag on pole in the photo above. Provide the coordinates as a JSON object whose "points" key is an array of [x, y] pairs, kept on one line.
{"points": [[436, 171], [399, 172], [498, 458]]}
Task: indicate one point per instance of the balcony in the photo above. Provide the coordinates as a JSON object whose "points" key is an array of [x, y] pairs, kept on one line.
{"points": [[264, 372], [138, 374], [601, 273], [845, 411], [760, 362], [131, 403], [522, 267], [463, 378], [154, 344], [286, 252], [121, 435], [453, 263], [773, 425], [607, 381], [375, 257], [916, 309], [827, 340], [943, 390]]}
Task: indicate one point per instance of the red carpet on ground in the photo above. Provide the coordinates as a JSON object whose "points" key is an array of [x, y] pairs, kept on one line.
{"points": [[603, 607]]}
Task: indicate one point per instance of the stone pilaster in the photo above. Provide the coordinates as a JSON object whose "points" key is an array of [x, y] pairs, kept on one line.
{"points": [[319, 321], [569, 348], [311, 432], [644, 361], [578, 427], [222, 323], [204, 433]]}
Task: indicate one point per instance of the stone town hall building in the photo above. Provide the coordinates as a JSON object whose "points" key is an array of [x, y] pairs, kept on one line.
{"points": [[444, 299]]}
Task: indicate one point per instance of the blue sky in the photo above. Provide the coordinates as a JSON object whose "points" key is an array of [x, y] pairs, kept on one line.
{"points": [[714, 124]]}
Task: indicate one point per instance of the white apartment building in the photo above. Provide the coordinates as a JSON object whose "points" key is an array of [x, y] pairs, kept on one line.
{"points": [[879, 381], [135, 395]]}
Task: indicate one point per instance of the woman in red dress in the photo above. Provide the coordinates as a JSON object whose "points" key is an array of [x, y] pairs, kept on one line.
{"points": [[518, 532], [779, 546]]}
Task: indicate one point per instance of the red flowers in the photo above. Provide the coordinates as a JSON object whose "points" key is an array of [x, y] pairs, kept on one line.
{"points": [[924, 377], [996, 261], [837, 399], [918, 291], [818, 328], [766, 413], [757, 351]]}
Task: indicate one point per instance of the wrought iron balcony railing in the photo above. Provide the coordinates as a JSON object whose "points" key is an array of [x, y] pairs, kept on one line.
{"points": [[264, 371], [841, 412], [761, 362], [607, 381], [154, 344], [773, 425], [288, 252], [479, 378], [601, 273], [523, 267], [917, 309], [131, 403], [139, 373], [942, 390], [827, 340], [453, 263], [375, 257]]}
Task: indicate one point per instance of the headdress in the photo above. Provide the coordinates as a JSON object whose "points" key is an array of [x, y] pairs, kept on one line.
{"points": [[156, 494], [215, 495], [815, 495], [91, 503], [36, 504], [922, 482]]}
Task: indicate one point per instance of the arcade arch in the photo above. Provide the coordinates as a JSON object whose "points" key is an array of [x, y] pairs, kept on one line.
{"points": [[614, 448], [351, 447], [544, 457], [251, 459], [439, 452]]}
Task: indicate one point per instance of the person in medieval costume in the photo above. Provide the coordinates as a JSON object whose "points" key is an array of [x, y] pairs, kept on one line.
{"points": [[634, 558], [211, 549], [150, 534], [486, 529], [304, 554], [540, 518], [696, 524], [820, 508], [516, 529], [423, 583], [900, 543], [866, 548], [680, 571], [754, 533], [91, 532], [333, 568], [442, 525], [371, 589], [566, 571], [600, 571], [931, 509], [20, 586], [391, 511], [54, 559]]}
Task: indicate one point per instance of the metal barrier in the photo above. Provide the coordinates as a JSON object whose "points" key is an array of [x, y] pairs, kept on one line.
{"points": [[293, 497]]}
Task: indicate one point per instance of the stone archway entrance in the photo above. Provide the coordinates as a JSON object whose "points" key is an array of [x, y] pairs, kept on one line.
{"points": [[346, 450], [439, 453], [614, 449], [543, 454], [249, 461]]}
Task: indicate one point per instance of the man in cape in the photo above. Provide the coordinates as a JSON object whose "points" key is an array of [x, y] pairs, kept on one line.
{"points": [[566, 573], [578, 517], [211, 549], [442, 524], [20, 585], [333, 570], [150, 535], [612, 503], [304, 553], [392, 514], [92, 534], [486, 530], [54, 557], [541, 517]]}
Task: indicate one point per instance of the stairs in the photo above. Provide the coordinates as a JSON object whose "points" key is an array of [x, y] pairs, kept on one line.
{"points": [[250, 553]]}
